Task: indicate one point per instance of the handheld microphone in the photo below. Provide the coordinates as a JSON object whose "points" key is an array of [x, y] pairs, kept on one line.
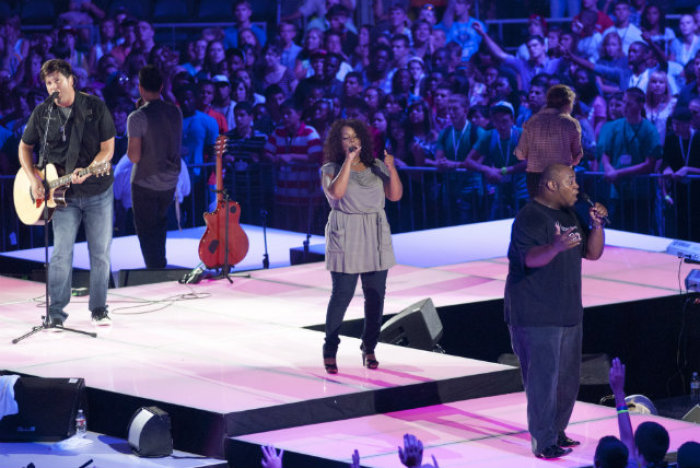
{"points": [[352, 149], [584, 196]]}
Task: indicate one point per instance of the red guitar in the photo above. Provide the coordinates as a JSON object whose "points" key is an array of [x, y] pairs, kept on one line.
{"points": [[223, 231]]}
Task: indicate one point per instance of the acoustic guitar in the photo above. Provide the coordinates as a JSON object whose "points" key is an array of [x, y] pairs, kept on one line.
{"points": [[30, 210], [224, 232]]}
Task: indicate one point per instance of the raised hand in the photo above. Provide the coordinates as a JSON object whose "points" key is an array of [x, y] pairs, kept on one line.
{"points": [[355, 459], [271, 458], [617, 376], [411, 454]]}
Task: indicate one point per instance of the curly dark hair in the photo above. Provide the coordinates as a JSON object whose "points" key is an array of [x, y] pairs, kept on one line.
{"points": [[333, 147]]}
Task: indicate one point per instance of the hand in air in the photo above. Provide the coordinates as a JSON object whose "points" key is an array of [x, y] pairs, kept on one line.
{"points": [[411, 454], [271, 458], [355, 459], [617, 376]]}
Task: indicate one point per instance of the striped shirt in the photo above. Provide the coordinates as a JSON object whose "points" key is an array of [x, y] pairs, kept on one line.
{"points": [[297, 183], [549, 137]]}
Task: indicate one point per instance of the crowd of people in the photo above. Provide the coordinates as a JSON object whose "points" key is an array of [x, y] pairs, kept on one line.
{"points": [[438, 89]]}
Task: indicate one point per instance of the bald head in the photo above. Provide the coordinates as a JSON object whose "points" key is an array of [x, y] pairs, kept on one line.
{"points": [[554, 172], [558, 187]]}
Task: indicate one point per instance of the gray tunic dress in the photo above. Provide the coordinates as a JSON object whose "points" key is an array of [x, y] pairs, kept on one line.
{"points": [[358, 238]]}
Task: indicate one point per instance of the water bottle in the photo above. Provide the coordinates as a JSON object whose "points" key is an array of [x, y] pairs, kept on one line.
{"points": [[80, 424], [695, 388]]}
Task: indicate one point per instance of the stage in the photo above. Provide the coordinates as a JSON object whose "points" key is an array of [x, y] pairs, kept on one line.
{"points": [[239, 364]]}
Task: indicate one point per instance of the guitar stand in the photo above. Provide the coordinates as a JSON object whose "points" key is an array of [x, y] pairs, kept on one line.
{"points": [[46, 324], [225, 271]]}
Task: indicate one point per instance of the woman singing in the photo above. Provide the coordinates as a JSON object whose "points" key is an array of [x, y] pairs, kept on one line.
{"points": [[358, 239]]}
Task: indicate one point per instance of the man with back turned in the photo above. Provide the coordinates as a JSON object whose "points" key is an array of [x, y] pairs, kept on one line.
{"points": [[543, 307], [550, 136], [155, 134]]}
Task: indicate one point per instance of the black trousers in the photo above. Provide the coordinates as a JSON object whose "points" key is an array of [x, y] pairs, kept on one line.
{"points": [[150, 220], [373, 288]]}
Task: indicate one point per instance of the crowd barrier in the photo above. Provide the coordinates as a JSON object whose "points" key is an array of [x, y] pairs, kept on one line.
{"points": [[291, 199]]}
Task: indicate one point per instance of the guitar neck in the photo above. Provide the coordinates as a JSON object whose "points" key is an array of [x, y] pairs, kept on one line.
{"points": [[65, 180]]}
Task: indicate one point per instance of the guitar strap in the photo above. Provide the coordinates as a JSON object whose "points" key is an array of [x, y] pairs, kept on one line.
{"points": [[76, 134]]}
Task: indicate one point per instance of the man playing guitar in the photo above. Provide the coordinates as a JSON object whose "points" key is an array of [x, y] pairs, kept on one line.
{"points": [[75, 132]]}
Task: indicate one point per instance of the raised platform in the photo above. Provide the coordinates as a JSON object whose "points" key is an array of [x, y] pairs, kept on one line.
{"points": [[486, 432], [230, 360]]}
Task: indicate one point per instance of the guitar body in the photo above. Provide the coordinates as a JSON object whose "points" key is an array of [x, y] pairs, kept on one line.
{"points": [[212, 248], [224, 232], [29, 210]]}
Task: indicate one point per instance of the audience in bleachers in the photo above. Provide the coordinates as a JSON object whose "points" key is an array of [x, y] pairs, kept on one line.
{"points": [[406, 60]]}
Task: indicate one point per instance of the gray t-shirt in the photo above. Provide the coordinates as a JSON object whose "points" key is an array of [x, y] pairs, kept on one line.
{"points": [[159, 125], [358, 238]]}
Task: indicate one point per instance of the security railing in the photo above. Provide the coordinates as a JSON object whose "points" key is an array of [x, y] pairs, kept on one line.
{"points": [[289, 197]]}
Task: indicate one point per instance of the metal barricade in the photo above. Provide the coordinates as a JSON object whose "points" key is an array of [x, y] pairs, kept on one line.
{"points": [[431, 199]]}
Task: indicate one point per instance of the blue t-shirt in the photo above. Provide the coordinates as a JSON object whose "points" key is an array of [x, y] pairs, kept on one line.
{"points": [[231, 36], [197, 130]]}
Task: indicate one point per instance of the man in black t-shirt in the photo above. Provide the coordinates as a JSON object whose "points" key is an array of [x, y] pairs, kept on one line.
{"points": [[75, 131], [543, 307]]}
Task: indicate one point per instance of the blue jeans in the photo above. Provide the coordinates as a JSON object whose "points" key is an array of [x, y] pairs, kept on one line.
{"points": [[550, 363], [373, 288], [96, 213]]}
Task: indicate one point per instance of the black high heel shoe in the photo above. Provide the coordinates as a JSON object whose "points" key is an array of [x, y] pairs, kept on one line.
{"points": [[330, 364], [369, 360]]}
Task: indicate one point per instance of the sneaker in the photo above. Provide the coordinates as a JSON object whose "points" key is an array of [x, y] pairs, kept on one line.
{"points": [[100, 318], [565, 441], [553, 451]]}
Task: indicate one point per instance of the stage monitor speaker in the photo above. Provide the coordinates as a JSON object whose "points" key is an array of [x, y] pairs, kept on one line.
{"points": [[417, 326], [693, 415], [149, 433], [47, 409], [138, 276]]}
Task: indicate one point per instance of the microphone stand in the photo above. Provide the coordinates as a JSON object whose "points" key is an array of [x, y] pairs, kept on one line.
{"points": [[266, 257], [46, 322]]}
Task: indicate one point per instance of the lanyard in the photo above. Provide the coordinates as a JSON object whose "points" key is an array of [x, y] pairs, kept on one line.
{"points": [[459, 140], [506, 156], [686, 156], [629, 142]]}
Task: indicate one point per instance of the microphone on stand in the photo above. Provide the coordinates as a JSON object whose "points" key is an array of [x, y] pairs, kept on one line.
{"points": [[53, 96], [584, 196]]}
